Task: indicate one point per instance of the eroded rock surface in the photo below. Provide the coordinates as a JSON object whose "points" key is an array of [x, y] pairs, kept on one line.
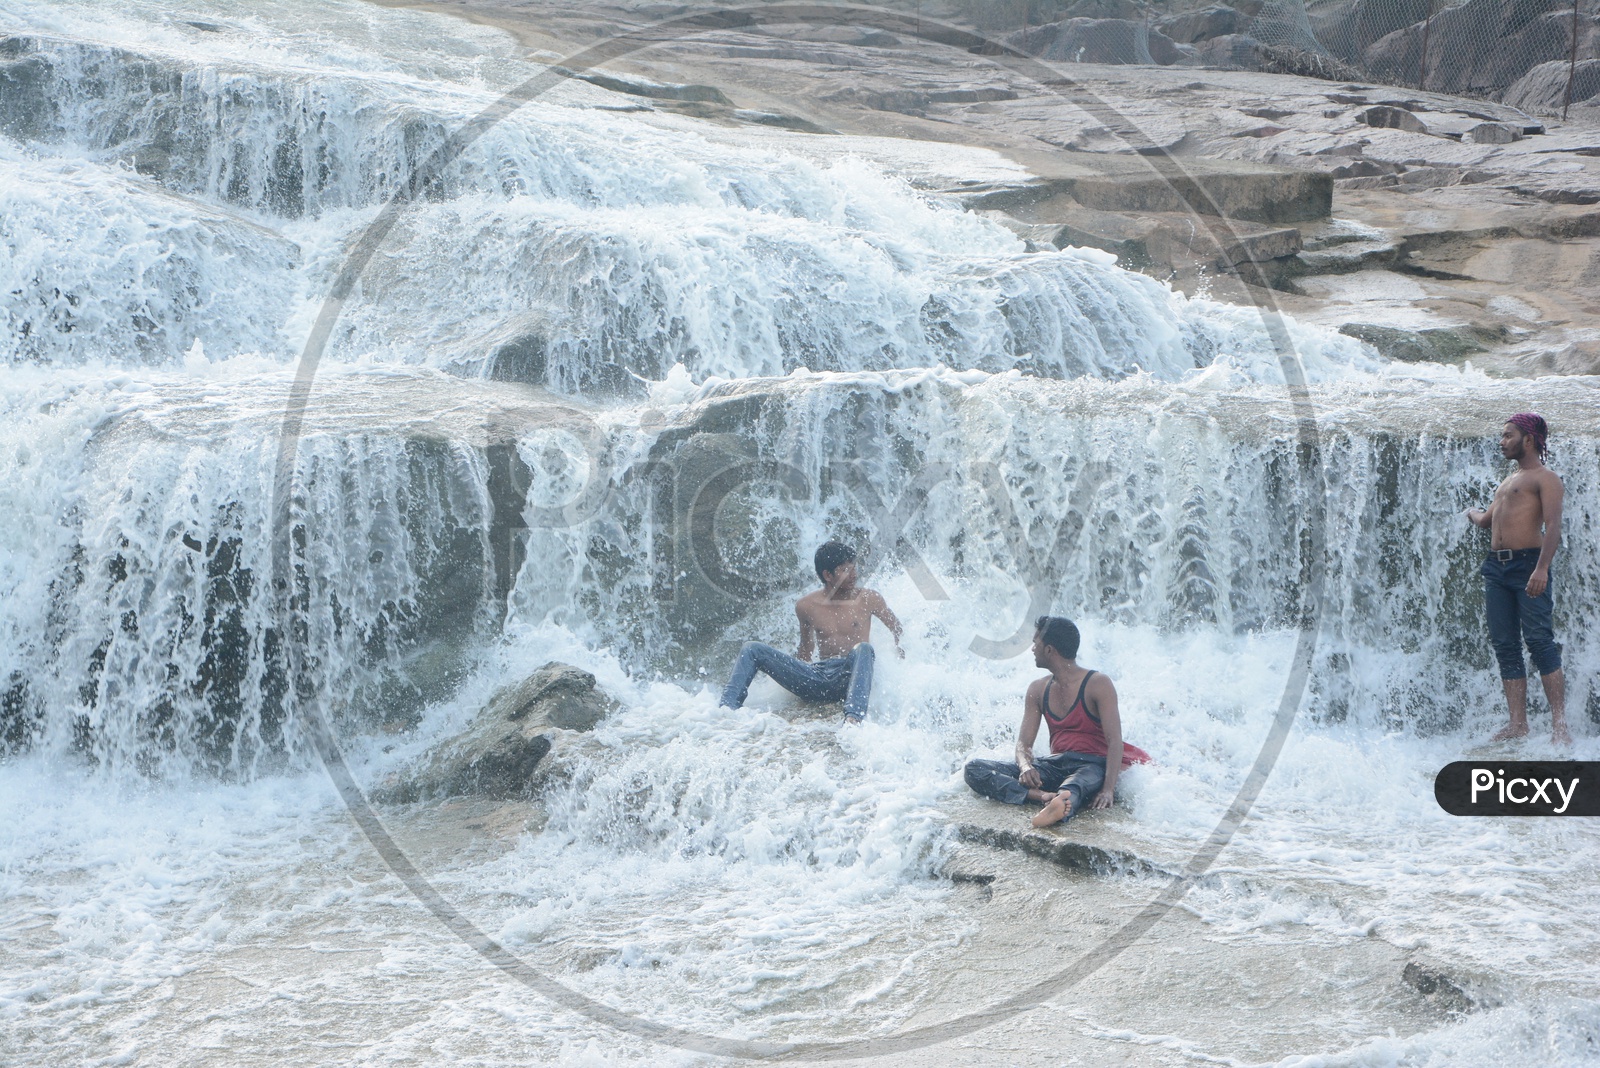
{"points": [[524, 736], [1485, 211]]}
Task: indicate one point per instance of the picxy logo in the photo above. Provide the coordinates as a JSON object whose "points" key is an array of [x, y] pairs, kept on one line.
{"points": [[1519, 788]]}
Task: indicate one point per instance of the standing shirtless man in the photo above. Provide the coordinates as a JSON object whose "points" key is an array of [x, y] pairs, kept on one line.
{"points": [[1524, 522], [835, 620]]}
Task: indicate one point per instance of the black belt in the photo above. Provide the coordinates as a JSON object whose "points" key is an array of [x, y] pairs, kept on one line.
{"points": [[1505, 556]]}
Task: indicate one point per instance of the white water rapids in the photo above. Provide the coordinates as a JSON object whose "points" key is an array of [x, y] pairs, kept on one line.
{"points": [[582, 323]]}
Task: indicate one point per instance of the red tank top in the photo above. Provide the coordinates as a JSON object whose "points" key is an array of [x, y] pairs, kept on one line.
{"points": [[1079, 730]]}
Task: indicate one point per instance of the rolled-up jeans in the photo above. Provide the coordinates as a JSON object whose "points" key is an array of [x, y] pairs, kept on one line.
{"points": [[1082, 773], [1515, 618], [847, 678]]}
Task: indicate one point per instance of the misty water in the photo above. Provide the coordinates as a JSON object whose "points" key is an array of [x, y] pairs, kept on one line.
{"points": [[567, 335]]}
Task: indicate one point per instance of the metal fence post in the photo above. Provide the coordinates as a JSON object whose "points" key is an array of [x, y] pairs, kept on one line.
{"points": [[1572, 63], [1427, 24]]}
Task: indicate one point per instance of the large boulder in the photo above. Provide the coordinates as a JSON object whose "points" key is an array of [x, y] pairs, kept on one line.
{"points": [[1231, 51], [1482, 47], [1192, 27], [1346, 29], [506, 752], [1097, 41], [1388, 117], [990, 17], [1544, 88]]}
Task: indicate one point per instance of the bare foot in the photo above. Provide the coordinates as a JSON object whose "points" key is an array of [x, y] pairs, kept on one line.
{"points": [[1515, 730], [1054, 811], [1560, 735]]}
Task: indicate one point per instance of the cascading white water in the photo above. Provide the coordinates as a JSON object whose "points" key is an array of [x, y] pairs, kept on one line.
{"points": [[736, 330]]}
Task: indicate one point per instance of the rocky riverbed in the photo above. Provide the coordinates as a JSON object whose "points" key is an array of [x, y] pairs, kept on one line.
{"points": [[1432, 226]]}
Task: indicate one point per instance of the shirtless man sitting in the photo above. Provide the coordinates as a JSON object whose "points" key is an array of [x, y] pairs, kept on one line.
{"points": [[1524, 522], [836, 620], [1087, 752]]}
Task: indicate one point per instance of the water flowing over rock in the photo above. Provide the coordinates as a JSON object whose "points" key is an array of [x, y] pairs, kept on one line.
{"points": [[1107, 343], [508, 748]]}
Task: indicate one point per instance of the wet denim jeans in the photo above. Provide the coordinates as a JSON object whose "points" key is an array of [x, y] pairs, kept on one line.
{"points": [[1515, 618], [847, 678], [1000, 780]]}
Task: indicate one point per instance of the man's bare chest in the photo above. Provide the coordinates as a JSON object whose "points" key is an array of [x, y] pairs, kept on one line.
{"points": [[850, 617], [1517, 492]]}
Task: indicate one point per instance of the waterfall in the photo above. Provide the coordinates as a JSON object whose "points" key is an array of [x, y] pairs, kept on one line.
{"points": [[1088, 441], [604, 386]]}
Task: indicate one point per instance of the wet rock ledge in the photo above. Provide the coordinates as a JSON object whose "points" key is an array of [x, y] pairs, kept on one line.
{"points": [[528, 734]]}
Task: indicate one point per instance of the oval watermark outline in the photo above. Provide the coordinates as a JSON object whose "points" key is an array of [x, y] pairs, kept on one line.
{"points": [[1049, 78]]}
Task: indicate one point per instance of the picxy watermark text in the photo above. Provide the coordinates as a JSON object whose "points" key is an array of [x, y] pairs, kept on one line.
{"points": [[1519, 788]]}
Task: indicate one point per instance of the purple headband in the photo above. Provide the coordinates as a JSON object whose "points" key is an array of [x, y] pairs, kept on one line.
{"points": [[1534, 427]]}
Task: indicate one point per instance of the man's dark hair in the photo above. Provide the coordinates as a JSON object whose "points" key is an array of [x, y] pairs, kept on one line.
{"points": [[832, 555], [1059, 634]]}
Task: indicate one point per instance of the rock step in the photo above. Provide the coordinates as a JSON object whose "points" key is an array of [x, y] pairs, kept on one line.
{"points": [[1170, 239], [1074, 856], [1436, 345], [1250, 194]]}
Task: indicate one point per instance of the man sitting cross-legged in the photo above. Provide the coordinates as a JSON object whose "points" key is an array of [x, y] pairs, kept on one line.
{"points": [[1086, 748], [837, 621]]}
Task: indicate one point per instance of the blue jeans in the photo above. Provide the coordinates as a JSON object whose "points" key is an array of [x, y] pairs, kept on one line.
{"points": [[999, 780], [1514, 617], [847, 677]]}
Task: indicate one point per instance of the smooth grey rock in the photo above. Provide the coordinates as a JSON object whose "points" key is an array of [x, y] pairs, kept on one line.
{"points": [[1136, 241], [1544, 87], [1493, 133], [1267, 195], [904, 101], [1096, 41], [1413, 346], [1578, 358], [500, 753], [1230, 244], [971, 95], [1231, 51], [557, 694], [1192, 27], [1346, 29], [1387, 117], [1481, 47], [1365, 168], [781, 121], [703, 94]]}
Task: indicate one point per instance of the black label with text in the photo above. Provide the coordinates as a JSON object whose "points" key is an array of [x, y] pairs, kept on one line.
{"points": [[1519, 788]]}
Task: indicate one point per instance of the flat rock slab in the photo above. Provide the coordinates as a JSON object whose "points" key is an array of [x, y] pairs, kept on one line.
{"points": [[1092, 843], [1244, 191], [1106, 983]]}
